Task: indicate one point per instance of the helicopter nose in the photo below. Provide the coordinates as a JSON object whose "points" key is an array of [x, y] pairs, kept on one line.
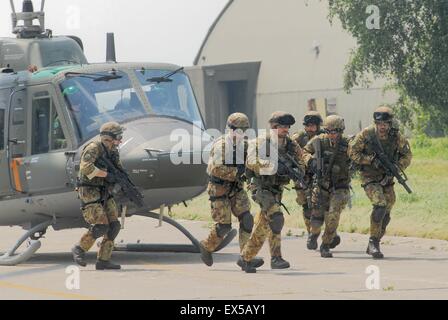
{"points": [[165, 173]]}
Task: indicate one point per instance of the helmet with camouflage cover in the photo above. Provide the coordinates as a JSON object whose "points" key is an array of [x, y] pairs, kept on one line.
{"points": [[383, 113], [112, 129], [334, 123], [238, 120], [312, 117], [282, 118]]}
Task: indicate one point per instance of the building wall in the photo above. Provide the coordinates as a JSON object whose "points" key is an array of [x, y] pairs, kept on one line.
{"points": [[283, 36]]}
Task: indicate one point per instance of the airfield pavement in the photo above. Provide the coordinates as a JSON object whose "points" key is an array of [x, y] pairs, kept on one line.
{"points": [[413, 269]]}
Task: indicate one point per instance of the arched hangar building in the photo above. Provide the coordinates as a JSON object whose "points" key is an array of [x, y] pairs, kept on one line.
{"points": [[260, 56]]}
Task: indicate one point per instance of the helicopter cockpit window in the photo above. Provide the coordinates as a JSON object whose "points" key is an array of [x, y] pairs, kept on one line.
{"points": [[47, 132], [96, 98], [172, 96]]}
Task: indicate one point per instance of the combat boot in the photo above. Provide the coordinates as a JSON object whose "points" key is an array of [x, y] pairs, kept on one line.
{"points": [[279, 263], [206, 256], [255, 262], [79, 255], [106, 265], [374, 248], [247, 267], [335, 242], [311, 242], [325, 251]]}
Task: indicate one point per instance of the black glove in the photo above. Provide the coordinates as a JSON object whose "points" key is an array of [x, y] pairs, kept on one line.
{"points": [[312, 165], [282, 169], [110, 178], [376, 163], [241, 169]]}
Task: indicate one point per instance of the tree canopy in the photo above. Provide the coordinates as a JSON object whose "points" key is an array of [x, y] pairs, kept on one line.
{"points": [[403, 40]]}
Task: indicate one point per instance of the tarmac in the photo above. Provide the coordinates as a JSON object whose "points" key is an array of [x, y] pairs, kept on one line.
{"points": [[412, 269]]}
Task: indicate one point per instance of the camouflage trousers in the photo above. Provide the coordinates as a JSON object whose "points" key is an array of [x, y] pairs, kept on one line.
{"points": [[302, 200], [380, 196], [226, 201], [327, 210], [95, 214], [263, 227]]}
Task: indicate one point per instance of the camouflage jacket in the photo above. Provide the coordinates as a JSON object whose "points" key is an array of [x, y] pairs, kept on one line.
{"points": [[89, 166], [222, 162], [336, 172], [302, 137], [396, 148], [263, 168]]}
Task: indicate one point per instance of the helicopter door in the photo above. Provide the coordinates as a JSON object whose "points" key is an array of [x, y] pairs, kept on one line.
{"points": [[4, 175], [16, 139], [46, 163]]}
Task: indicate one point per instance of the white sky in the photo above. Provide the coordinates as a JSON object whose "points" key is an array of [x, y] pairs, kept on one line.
{"points": [[145, 30]]}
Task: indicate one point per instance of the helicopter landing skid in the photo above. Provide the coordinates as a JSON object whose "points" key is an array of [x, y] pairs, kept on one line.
{"points": [[12, 259], [146, 247]]}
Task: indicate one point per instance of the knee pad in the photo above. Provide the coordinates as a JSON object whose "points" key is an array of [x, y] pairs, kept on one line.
{"points": [[317, 221], [223, 229], [386, 220], [277, 222], [246, 221], [114, 229], [99, 230], [378, 213], [307, 213]]}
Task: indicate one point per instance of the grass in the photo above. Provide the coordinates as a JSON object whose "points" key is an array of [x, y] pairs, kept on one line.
{"points": [[424, 213]]}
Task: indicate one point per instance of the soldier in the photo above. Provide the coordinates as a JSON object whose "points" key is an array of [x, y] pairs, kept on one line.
{"points": [[327, 156], [378, 185], [98, 206], [226, 188], [311, 122], [268, 180]]}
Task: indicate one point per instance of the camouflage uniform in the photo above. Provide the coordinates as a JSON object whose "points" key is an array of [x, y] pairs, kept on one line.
{"points": [[268, 187], [378, 186], [227, 196], [331, 196], [226, 168], [98, 206]]}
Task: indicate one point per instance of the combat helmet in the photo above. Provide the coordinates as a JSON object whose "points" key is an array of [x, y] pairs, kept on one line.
{"points": [[312, 117], [113, 130], [383, 113], [282, 118], [334, 123], [238, 120]]}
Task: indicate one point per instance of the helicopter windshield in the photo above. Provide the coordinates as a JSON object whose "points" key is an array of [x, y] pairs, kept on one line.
{"points": [[94, 99], [170, 95]]}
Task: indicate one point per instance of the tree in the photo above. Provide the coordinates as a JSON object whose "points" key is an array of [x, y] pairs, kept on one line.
{"points": [[405, 41]]}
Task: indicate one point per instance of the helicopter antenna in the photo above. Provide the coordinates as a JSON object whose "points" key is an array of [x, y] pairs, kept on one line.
{"points": [[28, 15], [110, 48]]}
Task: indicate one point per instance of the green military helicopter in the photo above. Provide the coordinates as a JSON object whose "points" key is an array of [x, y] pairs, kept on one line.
{"points": [[53, 102]]}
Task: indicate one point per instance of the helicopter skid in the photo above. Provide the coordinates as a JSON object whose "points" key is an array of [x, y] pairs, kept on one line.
{"points": [[190, 248], [12, 259]]}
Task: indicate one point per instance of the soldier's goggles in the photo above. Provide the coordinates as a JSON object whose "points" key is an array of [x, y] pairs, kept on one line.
{"points": [[335, 131], [382, 116], [310, 120], [244, 129], [115, 136]]}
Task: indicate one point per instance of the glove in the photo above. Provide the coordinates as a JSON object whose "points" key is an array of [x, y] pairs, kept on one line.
{"points": [[376, 163], [110, 178], [282, 169], [241, 169]]}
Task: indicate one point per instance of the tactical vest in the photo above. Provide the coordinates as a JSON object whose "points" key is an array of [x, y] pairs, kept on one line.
{"points": [[303, 138], [336, 163], [390, 147]]}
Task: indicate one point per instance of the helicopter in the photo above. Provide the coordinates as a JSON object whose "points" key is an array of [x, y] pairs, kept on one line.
{"points": [[52, 104]]}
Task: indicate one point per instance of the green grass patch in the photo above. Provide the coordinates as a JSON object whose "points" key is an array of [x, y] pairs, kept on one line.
{"points": [[424, 213]]}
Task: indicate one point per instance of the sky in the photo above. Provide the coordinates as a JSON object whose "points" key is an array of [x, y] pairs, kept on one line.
{"points": [[169, 31]]}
